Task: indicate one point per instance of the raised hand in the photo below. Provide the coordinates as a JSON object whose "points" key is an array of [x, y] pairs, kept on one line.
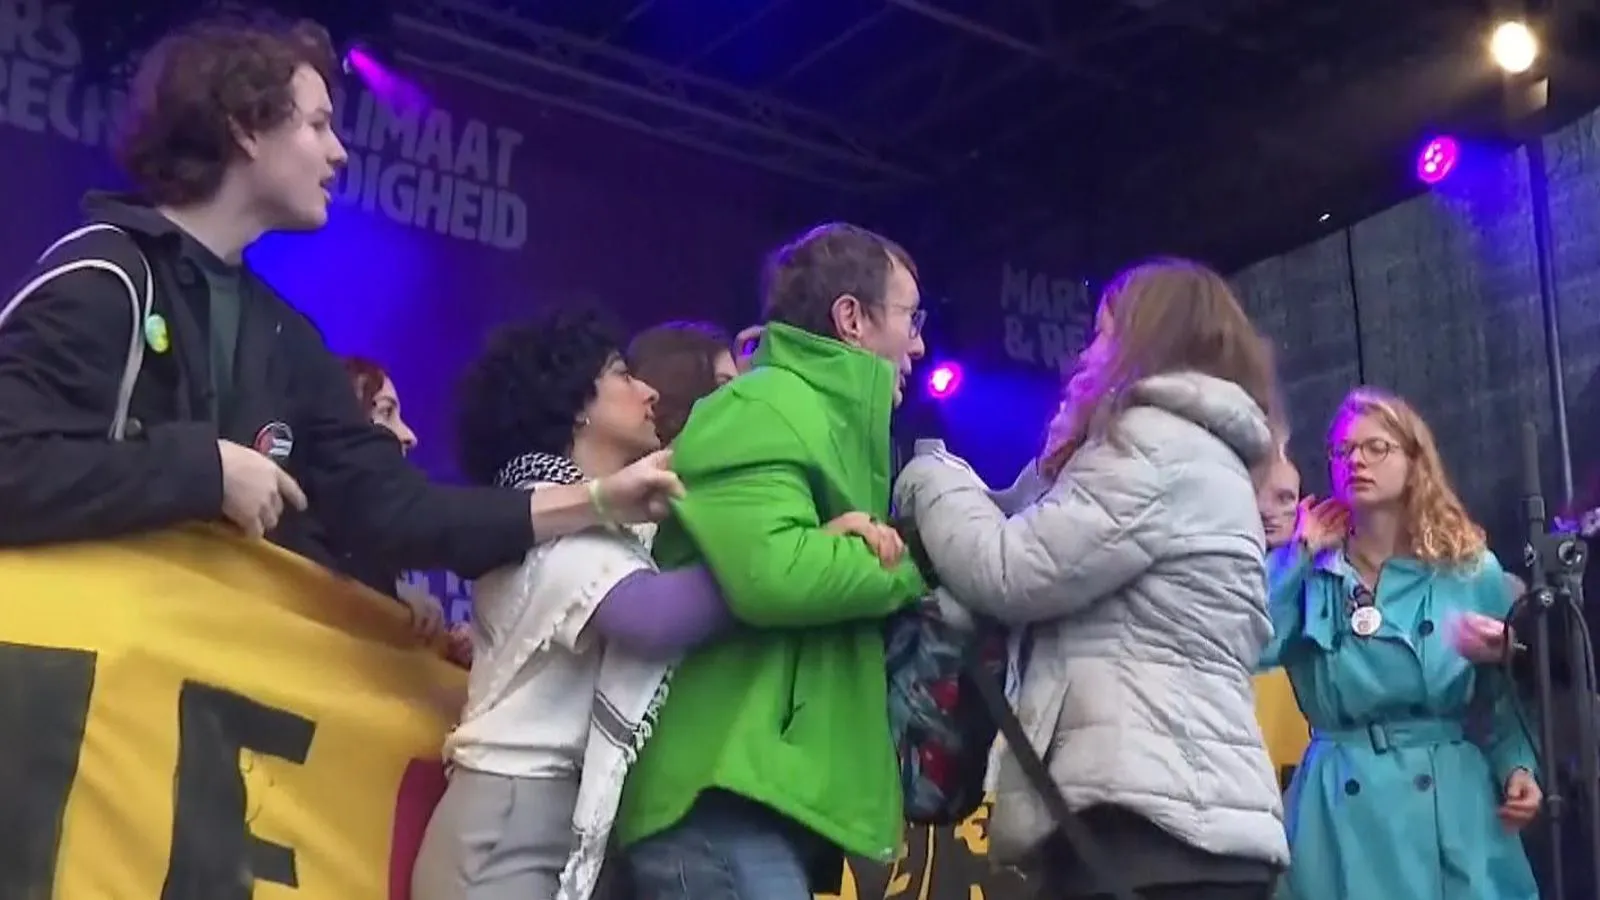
{"points": [[1321, 524]]}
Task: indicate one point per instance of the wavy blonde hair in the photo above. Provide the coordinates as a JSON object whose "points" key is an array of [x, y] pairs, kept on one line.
{"points": [[1167, 315], [1436, 523]]}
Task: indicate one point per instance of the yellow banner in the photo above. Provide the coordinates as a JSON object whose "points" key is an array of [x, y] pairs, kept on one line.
{"points": [[189, 717], [1282, 725], [193, 718]]}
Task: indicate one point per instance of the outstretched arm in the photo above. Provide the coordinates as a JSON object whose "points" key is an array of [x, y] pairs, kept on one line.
{"points": [[758, 530], [751, 513], [662, 614], [1088, 536]]}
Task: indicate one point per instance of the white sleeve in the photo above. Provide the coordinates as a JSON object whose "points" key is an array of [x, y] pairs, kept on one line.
{"points": [[577, 572]]}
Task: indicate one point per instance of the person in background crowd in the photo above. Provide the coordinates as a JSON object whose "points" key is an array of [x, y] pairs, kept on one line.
{"points": [[376, 393], [1278, 498], [1282, 725], [683, 361], [1139, 573], [586, 623], [772, 757], [1394, 798], [240, 412]]}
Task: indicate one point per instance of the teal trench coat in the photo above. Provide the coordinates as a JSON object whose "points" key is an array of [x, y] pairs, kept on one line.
{"points": [[1396, 796]]}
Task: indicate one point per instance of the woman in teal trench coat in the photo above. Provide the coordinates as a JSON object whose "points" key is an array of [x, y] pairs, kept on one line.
{"points": [[1394, 800]]}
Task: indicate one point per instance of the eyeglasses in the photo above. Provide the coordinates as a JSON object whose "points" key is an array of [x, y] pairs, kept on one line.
{"points": [[1373, 450], [919, 317]]}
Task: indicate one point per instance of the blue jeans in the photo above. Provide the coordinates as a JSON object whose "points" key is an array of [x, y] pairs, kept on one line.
{"points": [[726, 848]]}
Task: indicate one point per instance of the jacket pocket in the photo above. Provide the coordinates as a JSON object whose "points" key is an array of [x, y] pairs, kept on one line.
{"points": [[791, 698]]}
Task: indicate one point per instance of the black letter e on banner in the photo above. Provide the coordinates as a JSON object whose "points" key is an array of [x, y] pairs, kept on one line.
{"points": [[214, 855]]}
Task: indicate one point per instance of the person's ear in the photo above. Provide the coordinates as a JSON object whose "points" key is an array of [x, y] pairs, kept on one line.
{"points": [[849, 318], [248, 143]]}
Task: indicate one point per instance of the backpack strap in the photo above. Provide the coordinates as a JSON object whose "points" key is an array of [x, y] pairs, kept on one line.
{"points": [[1033, 768], [138, 305]]}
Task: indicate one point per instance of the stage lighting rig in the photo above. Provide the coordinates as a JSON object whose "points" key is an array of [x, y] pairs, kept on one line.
{"points": [[115, 33], [1514, 47]]}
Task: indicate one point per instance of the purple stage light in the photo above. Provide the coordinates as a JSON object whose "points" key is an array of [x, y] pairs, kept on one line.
{"points": [[1438, 159], [944, 380]]}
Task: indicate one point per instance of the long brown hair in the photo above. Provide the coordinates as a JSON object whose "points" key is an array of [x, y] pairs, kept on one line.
{"points": [[1435, 522], [679, 360], [1168, 315]]}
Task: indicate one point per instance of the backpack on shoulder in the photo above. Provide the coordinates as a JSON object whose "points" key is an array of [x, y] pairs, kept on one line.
{"points": [[139, 305], [942, 728]]}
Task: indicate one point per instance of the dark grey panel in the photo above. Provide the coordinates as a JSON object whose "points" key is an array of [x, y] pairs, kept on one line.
{"points": [[1302, 300], [1449, 318]]}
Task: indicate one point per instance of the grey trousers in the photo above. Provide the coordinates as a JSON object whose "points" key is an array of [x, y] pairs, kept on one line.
{"points": [[496, 838]]}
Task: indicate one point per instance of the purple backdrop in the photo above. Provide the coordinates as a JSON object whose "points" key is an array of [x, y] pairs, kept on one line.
{"points": [[1012, 322], [458, 212], [450, 218]]}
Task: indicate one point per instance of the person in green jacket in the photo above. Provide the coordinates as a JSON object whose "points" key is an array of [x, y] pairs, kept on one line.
{"points": [[771, 758]]}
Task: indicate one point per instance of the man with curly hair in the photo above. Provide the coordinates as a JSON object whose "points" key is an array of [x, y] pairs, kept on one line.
{"points": [[772, 757], [236, 409]]}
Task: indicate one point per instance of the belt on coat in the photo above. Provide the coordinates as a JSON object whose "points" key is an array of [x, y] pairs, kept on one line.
{"points": [[1381, 736]]}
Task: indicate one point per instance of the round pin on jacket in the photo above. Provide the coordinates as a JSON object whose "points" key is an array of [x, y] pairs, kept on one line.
{"points": [[275, 440], [155, 333], [1365, 620]]}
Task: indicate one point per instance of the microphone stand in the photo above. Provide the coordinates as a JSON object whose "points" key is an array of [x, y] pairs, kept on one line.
{"points": [[1556, 562]]}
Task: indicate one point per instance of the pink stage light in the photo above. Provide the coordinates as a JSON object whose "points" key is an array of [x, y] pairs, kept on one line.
{"points": [[1438, 159], [944, 380]]}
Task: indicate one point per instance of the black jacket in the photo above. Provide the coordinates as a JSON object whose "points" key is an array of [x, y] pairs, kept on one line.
{"points": [[61, 357]]}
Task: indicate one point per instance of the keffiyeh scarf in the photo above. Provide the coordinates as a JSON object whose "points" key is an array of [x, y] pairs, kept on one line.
{"points": [[628, 695]]}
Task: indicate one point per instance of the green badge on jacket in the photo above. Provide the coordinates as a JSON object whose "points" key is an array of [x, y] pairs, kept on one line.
{"points": [[155, 333]]}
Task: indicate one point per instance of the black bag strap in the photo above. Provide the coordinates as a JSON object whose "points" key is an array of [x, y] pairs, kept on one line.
{"points": [[1072, 828]]}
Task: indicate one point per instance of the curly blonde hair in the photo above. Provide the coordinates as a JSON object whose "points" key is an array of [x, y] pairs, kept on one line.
{"points": [[1436, 523]]}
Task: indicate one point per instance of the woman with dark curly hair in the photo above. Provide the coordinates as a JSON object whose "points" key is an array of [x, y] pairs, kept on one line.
{"points": [[584, 623], [683, 361]]}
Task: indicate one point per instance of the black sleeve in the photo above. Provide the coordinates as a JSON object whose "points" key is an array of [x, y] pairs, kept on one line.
{"points": [[379, 505], [62, 354]]}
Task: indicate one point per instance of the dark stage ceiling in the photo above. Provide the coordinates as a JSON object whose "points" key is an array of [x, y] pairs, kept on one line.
{"points": [[1220, 128], [1224, 129]]}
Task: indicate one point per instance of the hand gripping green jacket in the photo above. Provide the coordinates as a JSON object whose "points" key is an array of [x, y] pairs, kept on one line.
{"points": [[789, 709]]}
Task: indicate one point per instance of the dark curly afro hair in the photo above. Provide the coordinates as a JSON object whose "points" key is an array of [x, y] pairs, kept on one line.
{"points": [[526, 391]]}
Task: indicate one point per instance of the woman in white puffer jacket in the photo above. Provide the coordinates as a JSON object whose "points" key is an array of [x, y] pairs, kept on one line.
{"points": [[1140, 575]]}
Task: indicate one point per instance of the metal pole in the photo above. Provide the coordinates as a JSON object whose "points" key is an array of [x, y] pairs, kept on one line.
{"points": [[1579, 661], [1549, 306]]}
